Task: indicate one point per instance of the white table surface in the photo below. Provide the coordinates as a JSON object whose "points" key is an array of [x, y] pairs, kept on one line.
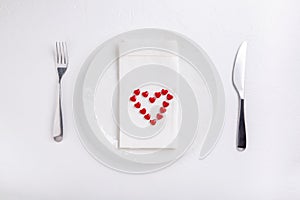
{"points": [[32, 166]]}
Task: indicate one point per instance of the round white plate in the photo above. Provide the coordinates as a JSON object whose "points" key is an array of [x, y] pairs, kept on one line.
{"points": [[199, 94]]}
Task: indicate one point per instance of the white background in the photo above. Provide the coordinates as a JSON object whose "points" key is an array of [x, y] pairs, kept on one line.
{"points": [[32, 166]]}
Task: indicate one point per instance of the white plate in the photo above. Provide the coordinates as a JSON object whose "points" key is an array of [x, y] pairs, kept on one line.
{"points": [[200, 94]]}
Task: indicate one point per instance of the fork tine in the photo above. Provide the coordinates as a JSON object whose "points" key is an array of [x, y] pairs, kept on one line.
{"points": [[66, 53], [56, 55], [61, 53]]}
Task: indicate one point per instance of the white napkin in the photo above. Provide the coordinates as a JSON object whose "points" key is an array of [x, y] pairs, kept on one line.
{"points": [[167, 135]]}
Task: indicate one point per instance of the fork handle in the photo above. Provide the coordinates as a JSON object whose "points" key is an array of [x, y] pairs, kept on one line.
{"points": [[58, 118]]}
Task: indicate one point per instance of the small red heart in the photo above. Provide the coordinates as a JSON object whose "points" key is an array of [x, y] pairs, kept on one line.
{"points": [[137, 105], [152, 99], [157, 94], [164, 92], [169, 97], [133, 98], [165, 104], [147, 117], [162, 110], [145, 94], [159, 116], [153, 122], [143, 111], [136, 92]]}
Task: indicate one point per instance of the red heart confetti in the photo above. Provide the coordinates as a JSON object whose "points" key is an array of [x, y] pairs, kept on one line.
{"points": [[165, 104], [136, 92], [162, 110], [153, 122], [164, 91], [145, 94], [159, 116], [143, 111], [169, 97], [133, 98], [157, 94], [152, 99], [147, 117], [137, 105]]}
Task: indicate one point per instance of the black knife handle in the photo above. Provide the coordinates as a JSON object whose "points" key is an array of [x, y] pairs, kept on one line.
{"points": [[241, 137]]}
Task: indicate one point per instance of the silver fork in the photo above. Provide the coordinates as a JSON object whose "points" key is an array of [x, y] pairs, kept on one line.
{"points": [[62, 62]]}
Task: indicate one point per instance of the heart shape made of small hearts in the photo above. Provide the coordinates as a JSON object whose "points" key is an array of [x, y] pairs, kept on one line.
{"points": [[163, 93]]}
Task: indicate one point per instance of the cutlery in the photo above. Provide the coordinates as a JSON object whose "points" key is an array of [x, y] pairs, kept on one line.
{"points": [[239, 84], [62, 62]]}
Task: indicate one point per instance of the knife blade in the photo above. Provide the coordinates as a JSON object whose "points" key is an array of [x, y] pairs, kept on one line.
{"points": [[239, 84]]}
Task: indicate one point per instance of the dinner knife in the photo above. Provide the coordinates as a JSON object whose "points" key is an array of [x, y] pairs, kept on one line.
{"points": [[239, 84]]}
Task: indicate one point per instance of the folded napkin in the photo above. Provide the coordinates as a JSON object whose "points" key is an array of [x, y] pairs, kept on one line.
{"points": [[165, 117]]}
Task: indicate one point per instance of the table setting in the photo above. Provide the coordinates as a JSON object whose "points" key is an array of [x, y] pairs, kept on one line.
{"points": [[112, 102]]}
